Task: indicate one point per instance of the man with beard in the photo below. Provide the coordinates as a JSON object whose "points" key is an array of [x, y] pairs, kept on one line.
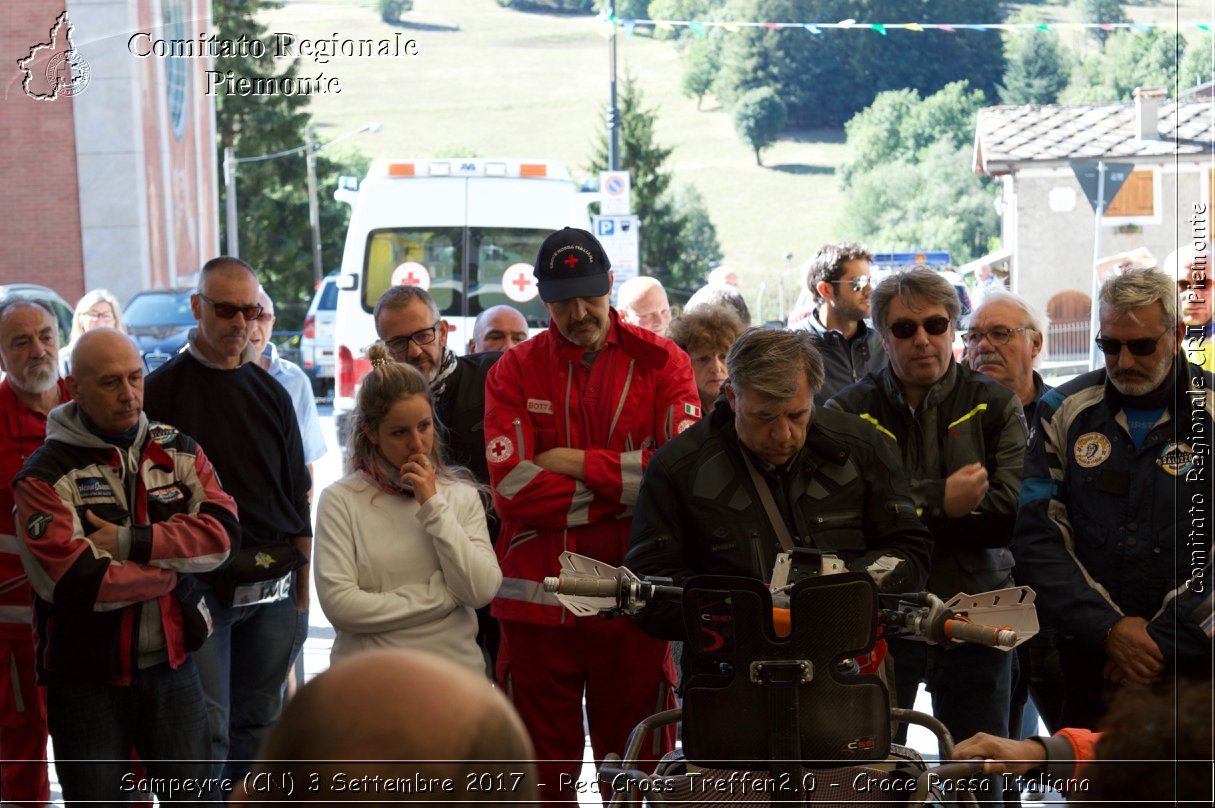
{"points": [[29, 356], [572, 417], [1114, 463], [840, 281]]}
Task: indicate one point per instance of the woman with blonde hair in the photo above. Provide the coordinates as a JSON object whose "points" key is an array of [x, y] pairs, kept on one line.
{"points": [[97, 308], [403, 556]]}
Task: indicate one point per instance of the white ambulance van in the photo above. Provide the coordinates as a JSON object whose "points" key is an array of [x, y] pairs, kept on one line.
{"points": [[465, 229]]}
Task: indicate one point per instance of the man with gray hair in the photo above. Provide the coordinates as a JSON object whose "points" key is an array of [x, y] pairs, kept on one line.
{"points": [[642, 301], [721, 295], [1116, 460], [1004, 341], [962, 440], [833, 483]]}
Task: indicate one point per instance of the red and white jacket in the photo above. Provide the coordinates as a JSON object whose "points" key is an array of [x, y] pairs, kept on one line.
{"points": [[101, 614], [22, 431], [640, 393]]}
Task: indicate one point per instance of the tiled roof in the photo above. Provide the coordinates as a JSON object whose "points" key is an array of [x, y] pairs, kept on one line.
{"points": [[1008, 135]]}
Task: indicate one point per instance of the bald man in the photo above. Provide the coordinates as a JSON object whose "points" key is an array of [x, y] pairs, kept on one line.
{"points": [[642, 301], [1190, 267], [111, 512], [411, 726], [498, 328]]}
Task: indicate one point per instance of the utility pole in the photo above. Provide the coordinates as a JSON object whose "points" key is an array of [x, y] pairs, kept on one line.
{"points": [[613, 114], [314, 206], [230, 200]]}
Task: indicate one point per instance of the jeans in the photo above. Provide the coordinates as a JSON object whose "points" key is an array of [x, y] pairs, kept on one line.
{"points": [[95, 725], [243, 665], [970, 685]]}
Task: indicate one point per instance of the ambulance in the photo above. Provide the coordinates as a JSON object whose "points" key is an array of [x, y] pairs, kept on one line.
{"points": [[465, 229]]}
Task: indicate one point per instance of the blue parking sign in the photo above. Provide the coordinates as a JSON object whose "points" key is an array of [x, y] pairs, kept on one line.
{"points": [[607, 227]]}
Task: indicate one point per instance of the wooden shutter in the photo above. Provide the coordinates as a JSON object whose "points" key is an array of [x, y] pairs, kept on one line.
{"points": [[1135, 197]]}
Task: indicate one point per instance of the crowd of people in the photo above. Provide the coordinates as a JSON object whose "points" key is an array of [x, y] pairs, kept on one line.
{"points": [[156, 541]]}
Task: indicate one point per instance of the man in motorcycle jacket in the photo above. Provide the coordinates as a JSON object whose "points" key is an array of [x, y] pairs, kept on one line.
{"points": [[829, 482]]}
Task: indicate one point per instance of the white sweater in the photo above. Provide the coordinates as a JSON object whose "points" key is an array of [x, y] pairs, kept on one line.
{"points": [[391, 573]]}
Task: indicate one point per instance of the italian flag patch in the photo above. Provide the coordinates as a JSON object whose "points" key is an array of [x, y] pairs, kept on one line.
{"points": [[691, 409]]}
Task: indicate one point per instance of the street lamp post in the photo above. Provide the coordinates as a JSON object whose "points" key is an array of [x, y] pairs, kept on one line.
{"points": [[314, 209]]}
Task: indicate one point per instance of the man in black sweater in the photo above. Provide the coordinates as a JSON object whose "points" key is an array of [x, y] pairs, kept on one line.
{"points": [[246, 422]]}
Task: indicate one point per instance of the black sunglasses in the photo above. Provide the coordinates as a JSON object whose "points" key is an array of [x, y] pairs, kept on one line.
{"points": [[398, 345], [227, 311], [858, 283], [906, 329], [1138, 347]]}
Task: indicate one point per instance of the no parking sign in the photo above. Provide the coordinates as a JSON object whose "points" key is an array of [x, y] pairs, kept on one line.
{"points": [[615, 193]]}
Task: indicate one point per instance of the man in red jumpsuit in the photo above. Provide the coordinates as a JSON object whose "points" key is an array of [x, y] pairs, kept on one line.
{"points": [[29, 357], [571, 418]]}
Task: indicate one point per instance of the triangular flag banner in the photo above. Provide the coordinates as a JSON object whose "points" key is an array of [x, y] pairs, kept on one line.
{"points": [[697, 28], [877, 26], [913, 26], [814, 29]]}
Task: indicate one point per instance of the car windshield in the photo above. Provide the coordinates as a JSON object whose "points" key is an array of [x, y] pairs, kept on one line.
{"points": [[145, 311]]}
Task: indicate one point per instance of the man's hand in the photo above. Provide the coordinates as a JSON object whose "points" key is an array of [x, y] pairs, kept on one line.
{"points": [[105, 537], [1001, 754], [1135, 655], [570, 462], [964, 489], [303, 575]]}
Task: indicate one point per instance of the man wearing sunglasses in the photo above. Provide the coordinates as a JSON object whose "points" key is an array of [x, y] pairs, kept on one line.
{"points": [[961, 437], [1191, 268], [216, 392], [1115, 482], [840, 281]]}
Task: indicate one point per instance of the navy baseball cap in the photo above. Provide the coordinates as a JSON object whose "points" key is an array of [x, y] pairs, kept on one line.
{"points": [[571, 263]]}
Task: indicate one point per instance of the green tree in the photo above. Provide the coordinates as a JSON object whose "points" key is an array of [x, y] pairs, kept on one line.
{"points": [[1196, 65], [759, 116], [1099, 11], [899, 125], [698, 236], [698, 68], [1131, 59], [391, 10], [1036, 68], [665, 253], [935, 202], [272, 195], [828, 77]]}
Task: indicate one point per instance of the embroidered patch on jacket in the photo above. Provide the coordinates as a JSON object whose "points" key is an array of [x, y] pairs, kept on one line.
{"points": [[691, 409], [1177, 458], [540, 405], [264, 560], [166, 494], [499, 450], [93, 490], [37, 524], [162, 433], [684, 424], [1091, 449]]}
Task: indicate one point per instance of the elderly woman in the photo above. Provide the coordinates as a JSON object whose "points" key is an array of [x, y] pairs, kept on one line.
{"points": [[706, 335]]}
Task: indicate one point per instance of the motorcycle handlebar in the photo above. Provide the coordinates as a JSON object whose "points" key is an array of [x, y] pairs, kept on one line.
{"points": [[566, 584], [965, 631]]}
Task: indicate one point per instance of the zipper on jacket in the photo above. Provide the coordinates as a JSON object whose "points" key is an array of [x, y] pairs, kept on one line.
{"points": [[519, 437]]}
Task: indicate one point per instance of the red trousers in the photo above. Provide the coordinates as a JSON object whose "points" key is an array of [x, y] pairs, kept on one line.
{"points": [[23, 733], [545, 670]]}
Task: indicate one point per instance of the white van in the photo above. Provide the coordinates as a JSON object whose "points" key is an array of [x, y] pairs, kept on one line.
{"points": [[465, 229]]}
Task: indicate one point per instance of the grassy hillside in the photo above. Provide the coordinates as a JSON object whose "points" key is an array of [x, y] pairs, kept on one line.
{"points": [[489, 81]]}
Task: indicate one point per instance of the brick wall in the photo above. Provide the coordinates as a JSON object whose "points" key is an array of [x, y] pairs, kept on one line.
{"points": [[40, 220]]}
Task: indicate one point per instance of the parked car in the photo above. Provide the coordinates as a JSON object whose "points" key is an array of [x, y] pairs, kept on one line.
{"points": [[159, 320], [316, 344], [63, 312]]}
